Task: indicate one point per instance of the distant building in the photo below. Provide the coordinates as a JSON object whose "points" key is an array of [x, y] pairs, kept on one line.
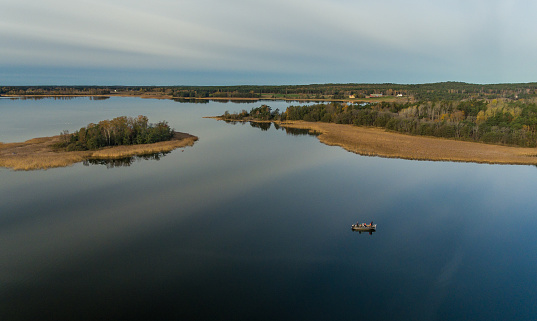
{"points": [[352, 96], [375, 95], [399, 95]]}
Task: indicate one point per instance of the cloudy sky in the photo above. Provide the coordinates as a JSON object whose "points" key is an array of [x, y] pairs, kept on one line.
{"points": [[224, 42]]}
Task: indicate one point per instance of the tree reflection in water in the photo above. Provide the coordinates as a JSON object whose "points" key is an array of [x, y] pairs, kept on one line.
{"points": [[125, 161], [264, 126]]}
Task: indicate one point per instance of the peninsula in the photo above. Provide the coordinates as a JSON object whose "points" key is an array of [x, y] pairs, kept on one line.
{"points": [[374, 130], [370, 141]]}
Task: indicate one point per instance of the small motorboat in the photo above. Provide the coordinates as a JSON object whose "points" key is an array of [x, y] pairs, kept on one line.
{"points": [[363, 227]]}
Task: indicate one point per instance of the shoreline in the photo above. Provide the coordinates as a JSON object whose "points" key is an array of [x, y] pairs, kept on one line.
{"points": [[378, 142], [369, 141], [38, 153], [164, 96], [372, 141]]}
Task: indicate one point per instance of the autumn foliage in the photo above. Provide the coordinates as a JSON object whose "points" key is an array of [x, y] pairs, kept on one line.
{"points": [[493, 121], [118, 131]]}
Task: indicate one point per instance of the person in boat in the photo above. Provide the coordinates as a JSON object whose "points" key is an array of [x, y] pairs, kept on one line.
{"points": [[371, 224]]}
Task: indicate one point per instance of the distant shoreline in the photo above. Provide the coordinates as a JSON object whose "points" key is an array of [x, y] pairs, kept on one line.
{"points": [[38, 153], [370, 141], [169, 97]]}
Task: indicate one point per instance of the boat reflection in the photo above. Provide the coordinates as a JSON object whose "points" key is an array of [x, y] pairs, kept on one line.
{"points": [[370, 232]]}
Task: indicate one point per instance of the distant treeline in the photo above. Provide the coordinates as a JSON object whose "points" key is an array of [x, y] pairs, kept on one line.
{"points": [[415, 92], [419, 92], [496, 121], [54, 90], [118, 131]]}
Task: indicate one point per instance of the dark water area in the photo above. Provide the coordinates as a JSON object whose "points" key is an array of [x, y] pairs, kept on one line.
{"points": [[254, 223]]}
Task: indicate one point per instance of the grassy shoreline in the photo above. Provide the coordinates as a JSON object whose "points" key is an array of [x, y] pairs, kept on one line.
{"points": [[370, 141], [38, 153]]}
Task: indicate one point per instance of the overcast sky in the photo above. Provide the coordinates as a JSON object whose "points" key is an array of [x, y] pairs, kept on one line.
{"points": [[223, 42]]}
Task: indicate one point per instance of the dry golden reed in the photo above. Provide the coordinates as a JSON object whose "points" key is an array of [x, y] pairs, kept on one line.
{"points": [[38, 153], [378, 142]]}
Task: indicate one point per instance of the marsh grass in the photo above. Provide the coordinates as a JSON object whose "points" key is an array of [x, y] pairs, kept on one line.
{"points": [[373, 141], [378, 142], [40, 153]]}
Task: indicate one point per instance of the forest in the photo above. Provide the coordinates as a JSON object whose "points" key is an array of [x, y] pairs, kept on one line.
{"points": [[498, 121], [409, 92], [118, 131]]}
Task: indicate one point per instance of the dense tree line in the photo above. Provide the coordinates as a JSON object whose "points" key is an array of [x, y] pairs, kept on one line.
{"points": [[55, 90], [496, 121], [118, 131], [414, 92], [417, 92], [262, 113]]}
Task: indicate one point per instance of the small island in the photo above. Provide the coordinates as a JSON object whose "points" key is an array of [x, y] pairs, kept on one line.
{"points": [[109, 139]]}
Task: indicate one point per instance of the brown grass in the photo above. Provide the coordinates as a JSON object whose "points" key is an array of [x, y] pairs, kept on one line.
{"points": [[38, 153], [378, 142]]}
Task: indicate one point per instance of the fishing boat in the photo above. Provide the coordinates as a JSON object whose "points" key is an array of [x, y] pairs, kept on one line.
{"points": [[363, 227]]}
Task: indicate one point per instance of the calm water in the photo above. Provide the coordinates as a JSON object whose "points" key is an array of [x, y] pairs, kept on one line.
{"points": [[252, 224]]}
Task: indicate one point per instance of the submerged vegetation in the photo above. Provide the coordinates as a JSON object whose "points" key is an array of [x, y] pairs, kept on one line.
{"points": [[497, 121], [118, 131]]}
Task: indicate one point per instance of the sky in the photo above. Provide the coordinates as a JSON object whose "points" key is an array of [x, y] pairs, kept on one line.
{"points": [[266, 42]]}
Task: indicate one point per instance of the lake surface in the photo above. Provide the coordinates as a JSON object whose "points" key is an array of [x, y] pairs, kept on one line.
{"points": [[252, 224]]}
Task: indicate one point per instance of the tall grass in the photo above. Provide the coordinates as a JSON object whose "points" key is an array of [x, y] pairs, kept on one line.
{"points": [[38, 153], [42, 161], [378, 142]]}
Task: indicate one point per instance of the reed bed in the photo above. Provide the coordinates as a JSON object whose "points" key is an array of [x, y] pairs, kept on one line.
{"points": [[38, 153], [378, 142]]}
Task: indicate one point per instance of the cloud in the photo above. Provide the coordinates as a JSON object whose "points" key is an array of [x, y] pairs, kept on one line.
{"points": [[317, 37]]}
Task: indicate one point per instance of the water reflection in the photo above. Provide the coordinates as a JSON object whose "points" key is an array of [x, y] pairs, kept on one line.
{"points": [[365, 232], [59, 97], [124, 162], [99, 97], [235, 101], [264, 126], [191, 101], [300, 131], [241, 101]]}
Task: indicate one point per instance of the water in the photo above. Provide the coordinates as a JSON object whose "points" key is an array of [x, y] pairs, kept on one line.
{"points": [[255, 224]]}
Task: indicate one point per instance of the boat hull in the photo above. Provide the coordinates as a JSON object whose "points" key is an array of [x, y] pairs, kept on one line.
{"points": [[362, 228]]}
